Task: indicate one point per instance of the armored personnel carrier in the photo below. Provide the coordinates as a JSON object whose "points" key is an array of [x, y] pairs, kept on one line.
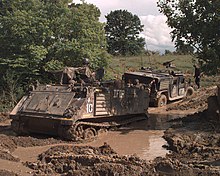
{"points": [[79, 107], [163, 86]]}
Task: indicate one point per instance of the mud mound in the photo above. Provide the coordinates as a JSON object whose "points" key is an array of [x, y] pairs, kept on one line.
{"points": [[6, 155], [68, 160], [30, 141], [7, 143], [198, 101], [174, 167], [80, 161], [7, 173], [196, 144], [11, 142], [4, 116]]}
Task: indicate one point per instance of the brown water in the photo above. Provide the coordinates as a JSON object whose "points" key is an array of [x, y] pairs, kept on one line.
{"points": [[143, 138], [135, 139], [132, 140]]}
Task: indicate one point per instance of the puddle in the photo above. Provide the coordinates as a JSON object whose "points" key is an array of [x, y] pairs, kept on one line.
{"points": [[143, 138], [137, 139]]}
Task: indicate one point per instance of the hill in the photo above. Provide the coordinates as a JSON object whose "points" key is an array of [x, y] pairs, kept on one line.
{"points": [[184, 63]]}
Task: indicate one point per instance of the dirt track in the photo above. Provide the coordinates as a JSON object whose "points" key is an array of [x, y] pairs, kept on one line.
{"points": [[194, 142]]}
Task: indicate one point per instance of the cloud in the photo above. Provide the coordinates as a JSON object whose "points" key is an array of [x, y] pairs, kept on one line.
{"points": [[136, 7], [156, 32]]}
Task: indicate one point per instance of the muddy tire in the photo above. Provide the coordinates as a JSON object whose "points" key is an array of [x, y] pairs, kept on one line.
{"points": [[102, 131], [189, 91], [89, 133], [162, 101]]}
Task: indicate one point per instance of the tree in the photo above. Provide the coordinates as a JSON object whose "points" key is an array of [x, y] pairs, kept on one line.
{"points": [[39, 35], [182, 48], [167, 52], [196, 23], [122, 33]]}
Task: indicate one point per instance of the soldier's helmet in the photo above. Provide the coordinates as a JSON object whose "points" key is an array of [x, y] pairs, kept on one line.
{"points": [[85, 61]]}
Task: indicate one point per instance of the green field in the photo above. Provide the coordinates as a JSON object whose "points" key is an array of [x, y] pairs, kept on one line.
{"points": [[184, 63]]}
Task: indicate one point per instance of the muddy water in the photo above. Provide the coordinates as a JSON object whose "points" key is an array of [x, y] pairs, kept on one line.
{"points": [[143, 138], [136, 139]]}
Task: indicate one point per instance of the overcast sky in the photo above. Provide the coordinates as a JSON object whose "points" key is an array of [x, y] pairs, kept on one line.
{"points": [[156, 32]]}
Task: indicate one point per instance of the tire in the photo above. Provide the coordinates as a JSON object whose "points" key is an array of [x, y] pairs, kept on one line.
{"points": [[189, 91], [89, 133], [102, 131], [162, 101]]}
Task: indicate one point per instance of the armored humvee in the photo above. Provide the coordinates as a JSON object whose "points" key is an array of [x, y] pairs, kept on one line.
{"points": [[163, 86], [79, 108]]}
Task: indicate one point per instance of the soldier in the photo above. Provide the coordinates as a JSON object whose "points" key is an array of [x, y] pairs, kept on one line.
{"points": [[197, 75], [129, 84], [85, 62], [138, 84], [153, 87], [100, 72], [86, 65]]}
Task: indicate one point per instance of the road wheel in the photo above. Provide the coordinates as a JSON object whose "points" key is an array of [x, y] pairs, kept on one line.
{"points": [[189, 91], [162, 100], [89, 133], [102, 131], [79, 131]]}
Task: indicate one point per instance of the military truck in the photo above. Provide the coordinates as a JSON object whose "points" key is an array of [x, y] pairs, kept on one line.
{"points": [[79, 107], [163, 86]]}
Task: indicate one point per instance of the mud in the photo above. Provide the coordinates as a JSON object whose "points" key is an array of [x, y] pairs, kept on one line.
{"points": [[198, 101], [193, 142], [137, 138], [4, 116], [194, 151], [6, 155], [103, 160], [7, 173], [196, 145], [10, 142]]}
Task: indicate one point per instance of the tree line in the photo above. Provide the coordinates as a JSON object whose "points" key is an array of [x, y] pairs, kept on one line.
{"points": [[40, 36], [196, 23]]}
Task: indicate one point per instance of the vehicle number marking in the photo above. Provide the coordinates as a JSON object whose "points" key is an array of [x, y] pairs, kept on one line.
{"points": [[89, 108]]}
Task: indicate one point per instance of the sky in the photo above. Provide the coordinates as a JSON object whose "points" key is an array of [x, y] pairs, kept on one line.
{"points": [[156, 32]]}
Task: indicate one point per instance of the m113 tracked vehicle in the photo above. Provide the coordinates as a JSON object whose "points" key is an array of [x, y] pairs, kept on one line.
{"points": [[79, 108]]}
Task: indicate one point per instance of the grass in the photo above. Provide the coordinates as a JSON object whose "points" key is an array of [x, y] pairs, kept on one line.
{"points": [[184, 63]]}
